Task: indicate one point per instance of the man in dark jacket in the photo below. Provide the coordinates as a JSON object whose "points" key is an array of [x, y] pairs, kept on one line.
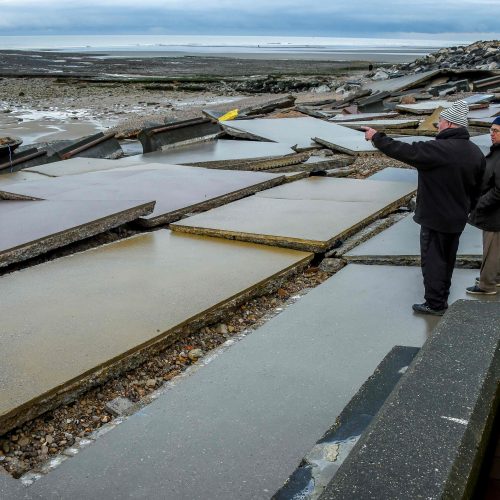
{"points": [[486, 216], [450, 170]]}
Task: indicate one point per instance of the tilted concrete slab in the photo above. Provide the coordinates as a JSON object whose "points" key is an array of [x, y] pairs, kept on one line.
{"points": [[423, 107], [30, 228], [437, 421], [215, 153], [394, 174], [362, 117], [384, 124], [491, 111], [348, 190], [310, 214], [300, 132], [239, 426], [401, 83], [105, 308], [401, 243], [177, 191]]}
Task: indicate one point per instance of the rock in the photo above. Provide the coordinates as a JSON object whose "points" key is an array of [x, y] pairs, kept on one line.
{"points": [[407, 99], [120, 406], [151, 382], [380, 75], [195, 354], [221, 329], [321, 89], [24, 441], [49, 439]]}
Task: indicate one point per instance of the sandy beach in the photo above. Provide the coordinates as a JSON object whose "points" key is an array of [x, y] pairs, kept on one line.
{"points": [[47, 96]]}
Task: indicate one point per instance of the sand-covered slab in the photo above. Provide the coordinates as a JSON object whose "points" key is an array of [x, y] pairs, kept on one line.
{"points": [[310, 214], [30, 228], [103, 307]]}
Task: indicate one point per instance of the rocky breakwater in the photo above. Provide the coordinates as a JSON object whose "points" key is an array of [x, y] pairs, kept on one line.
{"points": [[479, 55]]}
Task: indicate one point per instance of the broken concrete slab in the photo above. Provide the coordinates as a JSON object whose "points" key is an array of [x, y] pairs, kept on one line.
{"points": [[394, 174], [131, 298], [74, 166], [177, 190], [99, 145], [346, 190], [400, 244], [428, 123], [424, 107], [178, 133], [382, 124], [222, 154], [491, 110], [365, 117], [298, 133], [437, 420], [312, 225], [309, 214], [218, 433], [22, 159], [402, 82], [30, 228], [264, 107]]}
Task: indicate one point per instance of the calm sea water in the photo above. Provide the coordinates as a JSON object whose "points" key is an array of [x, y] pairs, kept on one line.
{"points": [[223, 44]]}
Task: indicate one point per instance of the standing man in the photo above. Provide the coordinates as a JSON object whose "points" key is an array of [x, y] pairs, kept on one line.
{"points": [[450, 170], [486, 216]]}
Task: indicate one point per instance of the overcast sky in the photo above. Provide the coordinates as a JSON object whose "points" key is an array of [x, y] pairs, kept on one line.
{"points": [[250, 17]]}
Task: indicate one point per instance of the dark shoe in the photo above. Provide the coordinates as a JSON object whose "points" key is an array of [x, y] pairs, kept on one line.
{"points": [[477, 282], [426, 309], [475, 290]]}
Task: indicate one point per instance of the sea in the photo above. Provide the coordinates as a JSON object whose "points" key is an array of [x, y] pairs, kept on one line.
{"points": [[155, 45]]}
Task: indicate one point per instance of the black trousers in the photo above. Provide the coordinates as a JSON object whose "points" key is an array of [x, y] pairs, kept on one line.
{"points": [[438, 252]]}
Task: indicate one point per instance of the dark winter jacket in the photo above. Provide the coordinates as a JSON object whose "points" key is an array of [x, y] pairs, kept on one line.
{"points": [[450, 170], [486, 215]]}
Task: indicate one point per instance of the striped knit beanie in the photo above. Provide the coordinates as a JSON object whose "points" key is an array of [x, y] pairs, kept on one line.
{"points": [[456, 113]]}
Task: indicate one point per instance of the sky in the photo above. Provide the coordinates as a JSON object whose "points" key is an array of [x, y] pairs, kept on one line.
{"points": [[333, 18]]}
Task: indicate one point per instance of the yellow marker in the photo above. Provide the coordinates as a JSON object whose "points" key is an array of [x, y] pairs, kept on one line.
{"points": [[230, 115]]}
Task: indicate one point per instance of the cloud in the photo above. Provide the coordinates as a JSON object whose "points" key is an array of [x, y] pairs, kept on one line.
{"points": [[237, 17]]}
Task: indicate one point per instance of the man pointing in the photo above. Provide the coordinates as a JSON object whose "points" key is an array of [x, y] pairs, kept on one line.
{"points": [[450, 170]]}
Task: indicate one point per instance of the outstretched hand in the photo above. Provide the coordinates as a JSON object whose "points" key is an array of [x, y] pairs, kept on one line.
{"points": [[369, 133]]}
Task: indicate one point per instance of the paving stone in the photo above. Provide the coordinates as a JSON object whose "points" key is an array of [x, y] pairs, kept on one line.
{"points": [[401, 243], [239, 426], [30, 228], [103, 309], [176, 191], [310, 214], [428, 439]]}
